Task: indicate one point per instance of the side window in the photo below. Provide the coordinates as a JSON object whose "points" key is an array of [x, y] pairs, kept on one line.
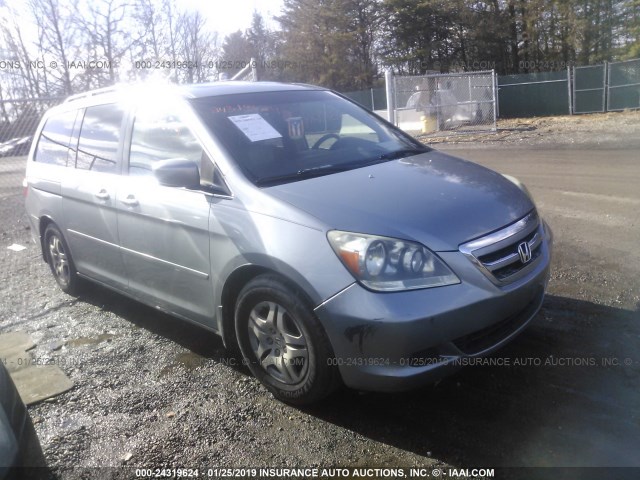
{"points": [[53, 144], [161, 135], [99, 137]]}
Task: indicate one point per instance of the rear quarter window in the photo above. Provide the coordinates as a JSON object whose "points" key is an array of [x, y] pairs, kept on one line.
{"points": [[53, 144]]}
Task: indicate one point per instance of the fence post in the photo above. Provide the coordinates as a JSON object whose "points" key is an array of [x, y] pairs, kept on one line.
{"points": [[390, 92], [373, 102], [254, 69], [573, 77], [608, 87], [496, 93], [605, 105], [495, 96], [569, 89]]}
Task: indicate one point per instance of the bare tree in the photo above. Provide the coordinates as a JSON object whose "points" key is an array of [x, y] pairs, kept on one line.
{"points": [[197, 47], [110, 36], [58, 40], [22, 81], [179, 42], [152, 20], [170, 10]]}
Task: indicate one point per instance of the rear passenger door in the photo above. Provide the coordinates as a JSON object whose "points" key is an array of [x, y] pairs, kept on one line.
{"points": [[89, 194], [164, 231]]}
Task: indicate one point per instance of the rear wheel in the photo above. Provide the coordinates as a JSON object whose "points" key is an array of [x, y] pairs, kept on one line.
{"points": [[283, 343], [60, 261]]}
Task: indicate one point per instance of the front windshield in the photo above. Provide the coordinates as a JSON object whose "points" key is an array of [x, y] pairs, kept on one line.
{"points": [[279, 137]]}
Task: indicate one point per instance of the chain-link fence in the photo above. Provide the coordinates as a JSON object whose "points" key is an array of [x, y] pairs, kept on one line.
{"points": [[20, 117], [18, 122], [446, 102], [623, 85], [436, 102]]}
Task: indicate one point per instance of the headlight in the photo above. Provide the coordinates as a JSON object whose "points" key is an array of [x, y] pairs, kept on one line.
{"points": [[389, 264]]}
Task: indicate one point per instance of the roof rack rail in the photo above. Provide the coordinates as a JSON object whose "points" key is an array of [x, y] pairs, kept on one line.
{"points": [[90, 93]]}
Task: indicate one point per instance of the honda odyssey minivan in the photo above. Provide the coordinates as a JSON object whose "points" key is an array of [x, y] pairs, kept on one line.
{"points": [[323, 243]]}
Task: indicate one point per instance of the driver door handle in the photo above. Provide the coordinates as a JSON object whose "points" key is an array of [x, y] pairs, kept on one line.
{"points": [[102, 194]]}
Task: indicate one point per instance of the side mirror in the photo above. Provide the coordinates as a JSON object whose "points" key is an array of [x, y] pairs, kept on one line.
{"points": [[177, 172]]}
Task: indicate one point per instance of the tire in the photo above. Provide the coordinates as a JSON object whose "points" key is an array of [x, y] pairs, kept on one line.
{"points": [[283, 343], [59, 259]]}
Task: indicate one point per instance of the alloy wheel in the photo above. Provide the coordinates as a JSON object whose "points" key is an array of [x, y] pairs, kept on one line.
{"points": [[278, 343]]}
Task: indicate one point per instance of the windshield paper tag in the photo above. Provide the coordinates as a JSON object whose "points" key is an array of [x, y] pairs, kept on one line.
{"points": [[255, 127]]}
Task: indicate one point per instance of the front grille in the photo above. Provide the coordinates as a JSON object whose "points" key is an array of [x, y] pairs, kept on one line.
{"points": [[498, 254], [506, 261]]}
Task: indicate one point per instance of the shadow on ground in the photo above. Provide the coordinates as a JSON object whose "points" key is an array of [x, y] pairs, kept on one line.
{"points": [[201, 342], [566, 398], [567, 394]]}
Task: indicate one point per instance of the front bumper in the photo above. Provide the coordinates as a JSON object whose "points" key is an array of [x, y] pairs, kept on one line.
{"points": [[401, 340]]}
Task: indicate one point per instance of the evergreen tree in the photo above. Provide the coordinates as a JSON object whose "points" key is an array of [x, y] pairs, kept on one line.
{"points": [[330, 42]]}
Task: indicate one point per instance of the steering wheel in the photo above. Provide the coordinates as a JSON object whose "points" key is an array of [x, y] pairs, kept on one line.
{"points": [[324, 138]]}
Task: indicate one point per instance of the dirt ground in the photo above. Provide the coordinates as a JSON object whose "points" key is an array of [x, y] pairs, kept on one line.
{"points": [[151, 391], [577, 130]]}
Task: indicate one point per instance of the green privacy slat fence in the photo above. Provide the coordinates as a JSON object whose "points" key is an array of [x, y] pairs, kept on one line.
{"points": [[595, 88], [624, 85], [589, 89], [372, 98], [533, 94]]}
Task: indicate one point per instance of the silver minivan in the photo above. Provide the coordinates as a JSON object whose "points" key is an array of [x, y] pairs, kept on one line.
{"points": [[322, 243]]}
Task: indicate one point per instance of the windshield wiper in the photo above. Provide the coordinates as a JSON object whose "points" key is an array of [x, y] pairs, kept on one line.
{"points": [[322, 169], [304, 173], [405, 152], [330, 168]]}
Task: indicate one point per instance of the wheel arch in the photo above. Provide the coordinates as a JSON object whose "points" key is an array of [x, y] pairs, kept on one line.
{"points": [[44, 222], [234, 284]]}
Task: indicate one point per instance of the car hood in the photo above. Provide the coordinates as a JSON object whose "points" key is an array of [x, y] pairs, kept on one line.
{"points": [[433, 198]]}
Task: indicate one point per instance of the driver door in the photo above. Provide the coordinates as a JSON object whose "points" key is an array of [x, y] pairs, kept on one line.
{"points": [[164, 231]]}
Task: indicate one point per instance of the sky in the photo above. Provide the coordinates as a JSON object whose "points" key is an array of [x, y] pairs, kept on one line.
{"points": [[228, 16], [223, 16]]}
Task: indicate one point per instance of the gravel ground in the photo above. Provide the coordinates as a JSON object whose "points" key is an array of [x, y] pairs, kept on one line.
{"points": [[600, 129], [151, 391]]}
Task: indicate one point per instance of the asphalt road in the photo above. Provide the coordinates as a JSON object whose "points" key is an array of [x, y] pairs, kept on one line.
{"points": [[152, 391], [591, 198]]}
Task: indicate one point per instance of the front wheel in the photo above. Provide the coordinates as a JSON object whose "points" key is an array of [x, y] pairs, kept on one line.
{"points": [[283, 343], [60, 261]]}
